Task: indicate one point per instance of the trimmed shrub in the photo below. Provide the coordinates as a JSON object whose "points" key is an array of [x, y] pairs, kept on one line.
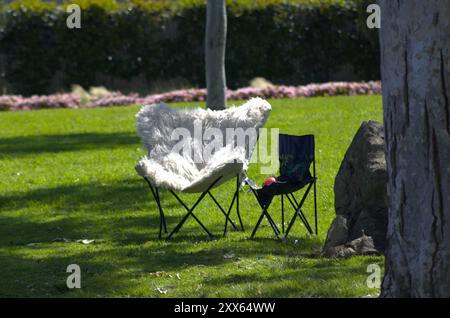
{"points": [[288, 42]]}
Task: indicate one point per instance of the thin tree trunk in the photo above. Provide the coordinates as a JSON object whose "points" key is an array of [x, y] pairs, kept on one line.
{"points": [[215, 39], [415, 40]]}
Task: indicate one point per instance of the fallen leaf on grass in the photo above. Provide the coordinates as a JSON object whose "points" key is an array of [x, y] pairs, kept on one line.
{"points": [[161, 290], [33, 244], [85, 241]]}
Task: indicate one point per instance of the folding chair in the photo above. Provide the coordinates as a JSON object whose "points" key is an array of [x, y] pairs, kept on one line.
{"points": [[296, 154], [190, 211], [176, 170]]}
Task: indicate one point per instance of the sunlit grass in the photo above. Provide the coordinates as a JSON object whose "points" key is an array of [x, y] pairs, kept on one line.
{"points": [[69, 174]]}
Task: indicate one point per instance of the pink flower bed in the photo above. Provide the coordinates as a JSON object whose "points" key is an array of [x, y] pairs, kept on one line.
{"points": [[70, 100]]}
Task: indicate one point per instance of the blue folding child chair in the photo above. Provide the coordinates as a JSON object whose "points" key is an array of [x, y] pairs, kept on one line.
{"points": [[296, 155]]}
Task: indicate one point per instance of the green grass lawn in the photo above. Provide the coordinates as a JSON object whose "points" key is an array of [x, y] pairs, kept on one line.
{"points": [[69, 174]]}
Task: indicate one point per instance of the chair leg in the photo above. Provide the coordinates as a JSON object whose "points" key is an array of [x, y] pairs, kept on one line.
{"points": [[302, 217], [273, 225], [179, 225], [161, 210], [189, 213], [228, 214], [191, 210], [305, 221], [315, 194], [298, 212], [162, 219], [261, 216], [264, 213], [315, 209], [290, 226], [257, 225], [282, 213], [291, 222], [222, 210], [238, 185]]}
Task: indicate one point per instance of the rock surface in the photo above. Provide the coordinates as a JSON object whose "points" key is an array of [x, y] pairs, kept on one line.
{"points": [[361, 246], [360, 197]]}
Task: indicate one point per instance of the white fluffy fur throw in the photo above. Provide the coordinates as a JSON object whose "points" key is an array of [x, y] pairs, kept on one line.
{"points": [[192, 169]]}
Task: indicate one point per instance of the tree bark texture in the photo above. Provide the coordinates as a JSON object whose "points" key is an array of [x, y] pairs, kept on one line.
{"points": [[215, 40], [415, 40]]}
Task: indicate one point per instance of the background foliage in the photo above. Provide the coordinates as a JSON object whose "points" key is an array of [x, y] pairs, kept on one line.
{"points": [[288, 42]]}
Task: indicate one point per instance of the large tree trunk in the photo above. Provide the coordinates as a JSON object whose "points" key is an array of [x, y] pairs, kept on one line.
{"points": [[215, 39], [415, 40]]}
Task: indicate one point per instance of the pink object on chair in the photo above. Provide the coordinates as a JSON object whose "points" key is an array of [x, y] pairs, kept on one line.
{"points": [[269, 181]]}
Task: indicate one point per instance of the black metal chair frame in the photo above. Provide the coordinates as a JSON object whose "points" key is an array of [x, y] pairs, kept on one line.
{"points": [[190, 211], [264, 213], [296, 206]]}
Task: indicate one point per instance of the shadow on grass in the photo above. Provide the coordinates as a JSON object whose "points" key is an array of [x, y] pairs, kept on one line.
{"points": [[303, 280], [122, 211], [100, 197], [46, 277], [123, 219], [122, 206], [20, 146], [109, 269]]}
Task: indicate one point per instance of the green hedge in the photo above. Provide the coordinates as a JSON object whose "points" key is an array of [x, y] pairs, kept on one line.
{"points": [[288, 42]]}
